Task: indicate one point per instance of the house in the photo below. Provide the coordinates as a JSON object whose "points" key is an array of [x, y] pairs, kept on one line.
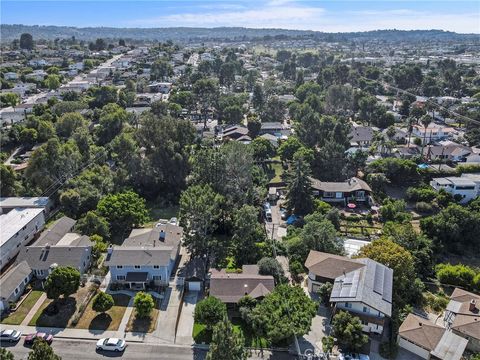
{"points": [[361, 136], [234, 132], [13, 283], [433, 132], [37, 75], [147, 256], [365, 292], [448, 150], [324, 267], [407, 151], [429, 341], [353, 189], [231, 287], [360, 286], [274, 128], [53, 234], [10, 75], [461, 187], [18, 227], [10, 203], [462, 317], [70, 249]]}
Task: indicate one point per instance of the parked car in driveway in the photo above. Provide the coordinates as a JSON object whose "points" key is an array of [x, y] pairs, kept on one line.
{"points": [[29, 339], [111, 344], [10, 335], [173, 221]]}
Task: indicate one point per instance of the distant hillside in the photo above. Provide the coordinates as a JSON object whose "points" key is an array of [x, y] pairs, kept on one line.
{"points": [[182, 34]]}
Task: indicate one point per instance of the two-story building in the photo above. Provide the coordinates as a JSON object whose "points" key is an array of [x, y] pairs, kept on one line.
{"points": [[360, 286], [146, 257], [18, 228], [462, 317], [353, 189], [462, 187]]}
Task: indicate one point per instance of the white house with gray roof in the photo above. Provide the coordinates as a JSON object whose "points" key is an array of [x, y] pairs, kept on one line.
{"points": [[146, 257], [18, 227], [463, 187], [13, 283]]}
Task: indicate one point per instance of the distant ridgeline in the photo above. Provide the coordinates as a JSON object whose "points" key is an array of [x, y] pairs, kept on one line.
{"points": [[184, 34]]}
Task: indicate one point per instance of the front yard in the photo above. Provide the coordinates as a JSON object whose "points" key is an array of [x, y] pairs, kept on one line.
{"points": [[104, 321], [66, 309], [16, 318], [144, 324], [202, 335]]}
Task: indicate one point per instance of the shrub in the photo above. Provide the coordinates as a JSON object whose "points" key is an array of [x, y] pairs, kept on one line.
{"points": [[439, 304], [210, 311], [102, 302], [423, 194], [389, 350], [459, 275], [143, 304], [424, 207]]}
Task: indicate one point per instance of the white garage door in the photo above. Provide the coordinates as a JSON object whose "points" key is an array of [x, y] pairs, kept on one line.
{"points": [[194, 285], [407, 345]]}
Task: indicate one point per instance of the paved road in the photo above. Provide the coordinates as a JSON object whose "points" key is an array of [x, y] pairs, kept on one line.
{"points": [[85, 350]]}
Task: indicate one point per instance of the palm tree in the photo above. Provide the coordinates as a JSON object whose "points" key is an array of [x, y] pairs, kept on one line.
{"points": [[425, 120]]}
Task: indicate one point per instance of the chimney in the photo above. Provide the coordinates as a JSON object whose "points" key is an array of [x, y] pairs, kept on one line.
{"points": [[47, 246], [109, 250], [472, 306]]}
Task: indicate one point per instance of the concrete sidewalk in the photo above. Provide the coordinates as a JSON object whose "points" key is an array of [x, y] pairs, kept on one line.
{"points": [[34, 309]]}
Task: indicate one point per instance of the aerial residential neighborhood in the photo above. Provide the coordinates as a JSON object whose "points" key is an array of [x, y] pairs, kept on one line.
{"points": [[240, 180]]}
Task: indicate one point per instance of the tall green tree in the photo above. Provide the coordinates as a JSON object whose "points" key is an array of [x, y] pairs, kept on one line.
{"points": [[210, 311], [42, 351], [226, 343], [247, 233], [123, 210], [26, 41], [102, 302], [144, 304], [200, 209], [93, 224], [6, 355], [299, 187], [62, 281], [285, 312], [347, 329]]}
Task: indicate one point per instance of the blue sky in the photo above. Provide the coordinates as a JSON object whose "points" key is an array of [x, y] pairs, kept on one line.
{"points": [[321, 15]]}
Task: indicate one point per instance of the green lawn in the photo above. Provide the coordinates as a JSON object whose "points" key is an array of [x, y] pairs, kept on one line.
{"points": [[275, 172], [17, 317], [109, 320], [202, 335]]}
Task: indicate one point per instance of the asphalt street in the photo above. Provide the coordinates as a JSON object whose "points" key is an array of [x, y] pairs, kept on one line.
{"points": [[85, 350]]}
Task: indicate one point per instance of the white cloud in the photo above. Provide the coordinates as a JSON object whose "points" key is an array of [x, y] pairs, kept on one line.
{"points": [[289, 14]]}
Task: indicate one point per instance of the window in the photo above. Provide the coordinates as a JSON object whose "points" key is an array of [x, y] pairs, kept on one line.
{"points": [[120, 277], [16, 291], [137, 266], [26, 280], [365, 309], [156, 266], [157, 277], [339, 195], [119, 266], [348, 305], [364, 322], [328, 194]]}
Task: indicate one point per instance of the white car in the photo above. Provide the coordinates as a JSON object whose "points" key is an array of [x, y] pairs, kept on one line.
{"points": [[353, 356], [111, 344], [173, 221], [10, 335]]}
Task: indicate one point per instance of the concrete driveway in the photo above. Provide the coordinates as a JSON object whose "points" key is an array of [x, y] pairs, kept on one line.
{"points": [[185, 323]]}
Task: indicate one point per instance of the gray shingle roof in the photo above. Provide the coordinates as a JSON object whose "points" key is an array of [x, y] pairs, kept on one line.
{"points": [[147, 247], [12, 278], [370, 285], [54, 233], [41, 257], [350, 185]]}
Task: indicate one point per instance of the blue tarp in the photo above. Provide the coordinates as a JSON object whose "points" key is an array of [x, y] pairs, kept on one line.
{"points": [[291, 219]]}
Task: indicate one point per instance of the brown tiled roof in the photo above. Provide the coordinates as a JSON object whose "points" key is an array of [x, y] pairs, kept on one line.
{"points": [[421, 332], [330, 266], [231, 287], [466, 322]]}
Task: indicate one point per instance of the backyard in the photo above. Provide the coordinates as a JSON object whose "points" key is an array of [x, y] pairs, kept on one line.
{"points": [[109, 320], [202, 335], [147, 324], [16, 317]]}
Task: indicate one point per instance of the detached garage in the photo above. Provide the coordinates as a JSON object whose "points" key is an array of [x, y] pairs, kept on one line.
{"points": [[194, 274], [429, 341]]}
